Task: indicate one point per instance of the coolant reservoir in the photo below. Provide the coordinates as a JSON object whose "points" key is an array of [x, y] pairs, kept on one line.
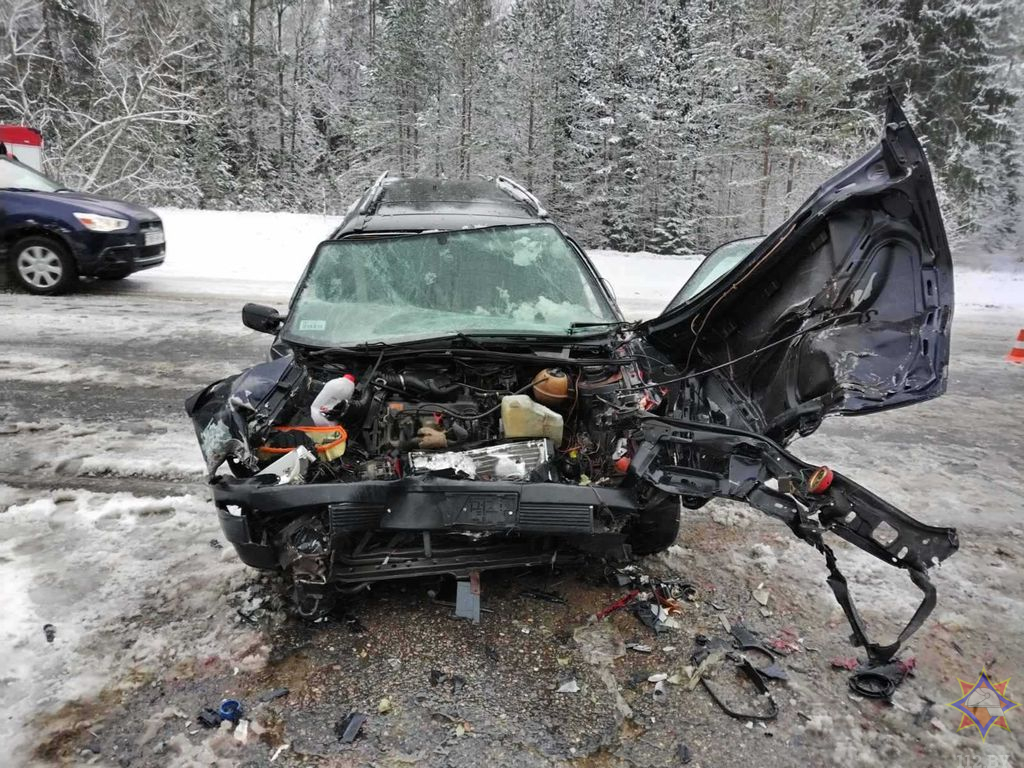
{"points": [[523, 416]]}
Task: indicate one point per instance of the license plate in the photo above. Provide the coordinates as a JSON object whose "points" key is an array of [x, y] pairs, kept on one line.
{"points": [[481, 510], [153, 236]]}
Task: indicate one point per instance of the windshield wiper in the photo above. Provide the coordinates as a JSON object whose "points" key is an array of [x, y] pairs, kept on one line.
{"points": [[574, 327]]}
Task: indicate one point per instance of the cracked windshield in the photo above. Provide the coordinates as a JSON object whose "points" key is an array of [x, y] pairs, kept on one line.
{"points": [[524, 279]]}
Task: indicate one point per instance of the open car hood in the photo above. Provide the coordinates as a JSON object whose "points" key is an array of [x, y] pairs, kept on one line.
{"points": [[844, 309]]}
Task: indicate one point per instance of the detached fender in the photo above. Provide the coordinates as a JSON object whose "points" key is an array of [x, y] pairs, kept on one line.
{"points": [[705, 461]]}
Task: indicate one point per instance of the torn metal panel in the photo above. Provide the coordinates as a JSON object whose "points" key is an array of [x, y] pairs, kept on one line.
{"points": [[730, 463]]}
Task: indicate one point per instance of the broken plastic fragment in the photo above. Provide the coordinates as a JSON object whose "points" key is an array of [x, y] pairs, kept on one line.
{"points": [[569, 686], [349, 728], [292, 467]]}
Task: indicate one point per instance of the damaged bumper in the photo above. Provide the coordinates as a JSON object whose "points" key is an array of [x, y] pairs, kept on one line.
{"points": [[410, 510], [702, 461]]}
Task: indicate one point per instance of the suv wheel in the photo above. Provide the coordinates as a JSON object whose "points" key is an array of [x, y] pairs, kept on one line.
{"points": [[42, 266]]}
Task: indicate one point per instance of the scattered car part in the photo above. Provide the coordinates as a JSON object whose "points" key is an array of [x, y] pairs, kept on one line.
{"points": [[758, 682], [622, 602], [50, 632], [547, 597], [348, 729], [230, 710], [209, 718], [467, 598], [639, 648], [659, 694], [273, 694], [879, 681]]}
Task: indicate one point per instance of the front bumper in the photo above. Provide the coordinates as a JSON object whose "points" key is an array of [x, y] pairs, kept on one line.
{"points": [[589, 517], [114, 254]]}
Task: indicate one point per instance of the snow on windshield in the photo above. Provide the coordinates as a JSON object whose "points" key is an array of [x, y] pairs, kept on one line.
{"points": [[497, 279]]}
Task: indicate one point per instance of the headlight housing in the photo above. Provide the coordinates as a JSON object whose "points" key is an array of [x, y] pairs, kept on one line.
{"points": [[98, 223]]}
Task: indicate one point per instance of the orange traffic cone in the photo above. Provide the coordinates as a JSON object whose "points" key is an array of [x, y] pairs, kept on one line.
{"points": [[1017, 353]]}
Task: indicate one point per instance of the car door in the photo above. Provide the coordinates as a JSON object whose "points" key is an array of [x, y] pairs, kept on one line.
{"points": [[844, 309]]}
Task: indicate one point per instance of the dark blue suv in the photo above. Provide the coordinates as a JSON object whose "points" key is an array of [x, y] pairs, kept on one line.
{"points": [[50, 235]]}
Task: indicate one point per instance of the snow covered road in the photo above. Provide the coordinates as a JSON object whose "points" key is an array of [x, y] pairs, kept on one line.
{"points": [[107, 535]]}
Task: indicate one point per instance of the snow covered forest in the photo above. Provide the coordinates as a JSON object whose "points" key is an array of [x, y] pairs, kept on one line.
{"points": [[660, 125]]}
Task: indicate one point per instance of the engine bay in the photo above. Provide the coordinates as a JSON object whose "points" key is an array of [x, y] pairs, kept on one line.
{"points": [[385, 420]]}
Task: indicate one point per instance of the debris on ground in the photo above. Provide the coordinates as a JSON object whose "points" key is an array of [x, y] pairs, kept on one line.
{"points": [[660, 694], [639, 648], [569, 686], [540, 594], [760, 594], [50, 632], [384, 706], [273, 694], [880, 681], [683, 754], [279, 750], [786, 642], [242, 731], [346, 729], [230, 710], [924, 715], [763, 692], [845, 662], [209, 718], [622, 602]]}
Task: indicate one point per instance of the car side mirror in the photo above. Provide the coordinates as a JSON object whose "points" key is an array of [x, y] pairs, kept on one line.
{"points": [[261, 318]]}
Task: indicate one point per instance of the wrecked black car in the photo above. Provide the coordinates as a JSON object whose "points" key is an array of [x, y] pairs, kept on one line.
{"points": [[453, 388]]}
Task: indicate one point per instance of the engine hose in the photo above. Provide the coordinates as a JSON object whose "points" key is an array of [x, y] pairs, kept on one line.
{"points": [[417, 386]]}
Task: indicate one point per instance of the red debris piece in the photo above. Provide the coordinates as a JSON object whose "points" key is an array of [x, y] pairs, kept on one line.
{"points": [[620, 603], [786, 642], [848, 662]]}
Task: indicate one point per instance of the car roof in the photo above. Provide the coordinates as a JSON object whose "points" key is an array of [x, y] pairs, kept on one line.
{"points": [[415, 204]]}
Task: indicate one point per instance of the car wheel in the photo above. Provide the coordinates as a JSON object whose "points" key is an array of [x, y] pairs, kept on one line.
{"points": [[41, 265], [657, 526]]}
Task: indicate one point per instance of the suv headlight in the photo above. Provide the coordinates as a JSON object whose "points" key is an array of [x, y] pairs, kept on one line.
{"points": [[98, 223]]}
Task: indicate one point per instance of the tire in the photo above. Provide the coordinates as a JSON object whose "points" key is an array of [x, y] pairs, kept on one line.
{"points": [[657, 526], [41, 265]]}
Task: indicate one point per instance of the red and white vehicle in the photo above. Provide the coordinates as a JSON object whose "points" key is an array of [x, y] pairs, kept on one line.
{"points": [[23, 144]]}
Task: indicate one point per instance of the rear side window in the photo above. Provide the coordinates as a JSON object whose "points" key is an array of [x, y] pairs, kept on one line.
{"points": [[721, 261]]}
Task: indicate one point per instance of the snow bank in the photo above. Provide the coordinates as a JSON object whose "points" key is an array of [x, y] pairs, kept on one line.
{"points": [[96, 566], [248, 253], [260, 256]]}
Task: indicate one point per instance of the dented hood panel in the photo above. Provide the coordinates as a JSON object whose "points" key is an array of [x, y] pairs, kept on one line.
{"points": [[844, 309]]}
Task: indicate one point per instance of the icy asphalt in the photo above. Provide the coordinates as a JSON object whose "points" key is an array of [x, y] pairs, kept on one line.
{"points": [[107, 534]]}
